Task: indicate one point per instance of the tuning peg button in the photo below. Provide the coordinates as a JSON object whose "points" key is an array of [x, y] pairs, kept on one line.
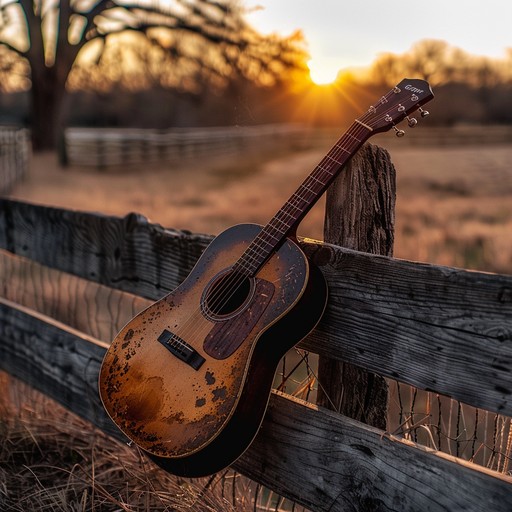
{"points": [[411, 121], [424, 113], [398, 132]]}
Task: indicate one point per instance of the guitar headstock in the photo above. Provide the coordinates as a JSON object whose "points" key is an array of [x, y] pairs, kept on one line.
{"points": [[406, 97]]}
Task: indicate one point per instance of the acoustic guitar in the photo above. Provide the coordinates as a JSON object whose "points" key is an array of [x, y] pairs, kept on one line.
{"points": [[189, 378]]}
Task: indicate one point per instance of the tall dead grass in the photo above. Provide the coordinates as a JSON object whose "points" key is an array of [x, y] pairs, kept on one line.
{"points": [[53, 461]]}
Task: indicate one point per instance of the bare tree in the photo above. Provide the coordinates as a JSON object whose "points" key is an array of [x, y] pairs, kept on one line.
{"points": [[50, 34]]}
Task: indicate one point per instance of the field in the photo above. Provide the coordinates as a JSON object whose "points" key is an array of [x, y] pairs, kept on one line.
{"points": [[454, 207]]}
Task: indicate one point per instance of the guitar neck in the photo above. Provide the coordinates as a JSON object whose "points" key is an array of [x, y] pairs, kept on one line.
{"points": [[285, 222], [406, 97]]}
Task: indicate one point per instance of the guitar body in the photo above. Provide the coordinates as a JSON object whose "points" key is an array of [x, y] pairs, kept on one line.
{"points": [[188, 379]]}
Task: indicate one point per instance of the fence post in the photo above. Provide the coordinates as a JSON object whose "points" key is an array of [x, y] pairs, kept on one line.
{"points": [[360, 215]]}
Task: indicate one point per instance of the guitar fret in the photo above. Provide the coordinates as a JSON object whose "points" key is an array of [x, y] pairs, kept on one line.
{"points": [[317, 180], [299, 203], [257, 251], [319, 166], [281, 226], [286, 221], [352, 136], [266, 242], [322, 182], [289, 203], [309, 189], [246, 267], [333, 159], [272, 236], [343, 149], [280, 231]]}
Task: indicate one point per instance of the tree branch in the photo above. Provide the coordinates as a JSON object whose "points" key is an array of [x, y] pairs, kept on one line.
{"points": [[13, 49], [101, 6], [212, 31], [35, 50]]}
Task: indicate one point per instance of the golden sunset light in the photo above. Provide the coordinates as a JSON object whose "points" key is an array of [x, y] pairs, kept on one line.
{"points": [[255, 255], [320, 73]]}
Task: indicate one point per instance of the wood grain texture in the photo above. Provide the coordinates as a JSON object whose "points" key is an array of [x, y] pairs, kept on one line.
{"points": [[55, 359], [360, 204], [437, 328], [359, 215], [92, 308], [320, 459], [127, 253], [334, 463]]}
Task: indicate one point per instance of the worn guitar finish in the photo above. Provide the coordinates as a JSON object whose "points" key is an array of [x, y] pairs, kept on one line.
{"points": [[188, 379], [172, 407]]}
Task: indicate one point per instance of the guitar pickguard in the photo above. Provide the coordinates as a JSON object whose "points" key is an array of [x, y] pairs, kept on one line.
{"points": [[226, 336]]}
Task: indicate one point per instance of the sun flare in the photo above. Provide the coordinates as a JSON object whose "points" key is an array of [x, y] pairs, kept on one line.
{"points": [[322, 74]]}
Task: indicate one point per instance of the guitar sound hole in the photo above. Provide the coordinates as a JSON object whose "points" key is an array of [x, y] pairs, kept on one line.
{"points": [[227, 294]]}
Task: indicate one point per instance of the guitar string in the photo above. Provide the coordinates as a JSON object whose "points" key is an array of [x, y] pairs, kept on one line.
{"points": [[277, 218], [293, 207], [363, 118], [338, 146], [227, 290], [277, 228], [224, 291]]}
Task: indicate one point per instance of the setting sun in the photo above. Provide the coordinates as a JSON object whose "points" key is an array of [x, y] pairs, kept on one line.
{"points": [[321, 74]]}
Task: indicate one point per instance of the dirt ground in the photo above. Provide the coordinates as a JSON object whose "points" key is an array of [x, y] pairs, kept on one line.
{"points": [[205, 197], [454, 204]]}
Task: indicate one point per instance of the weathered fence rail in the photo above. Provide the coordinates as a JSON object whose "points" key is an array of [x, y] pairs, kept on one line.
{"points": [[14, 156], [104, 147], [71, 279]]}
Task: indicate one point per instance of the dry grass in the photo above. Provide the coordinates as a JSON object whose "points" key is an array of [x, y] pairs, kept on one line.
{"points": [[454, 206], [51, 460]]}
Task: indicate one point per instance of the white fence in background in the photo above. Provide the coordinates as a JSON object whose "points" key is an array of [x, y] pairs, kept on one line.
{"points": [[105, 147], [14, 156]]}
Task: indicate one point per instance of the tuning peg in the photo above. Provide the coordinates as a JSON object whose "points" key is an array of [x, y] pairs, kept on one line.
{"points": [[398, 132], [411, 121], [424, 113]]}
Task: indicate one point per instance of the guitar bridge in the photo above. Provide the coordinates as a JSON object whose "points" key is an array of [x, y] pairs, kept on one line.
{"points": [[181, 349]]}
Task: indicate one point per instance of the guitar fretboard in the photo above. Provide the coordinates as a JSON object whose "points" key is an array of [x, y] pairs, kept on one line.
{"points": [[286, 220], [406, 97]]}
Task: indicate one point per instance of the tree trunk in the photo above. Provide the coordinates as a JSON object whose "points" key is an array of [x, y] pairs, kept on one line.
{"points": [[47, 96], [360, 215]]}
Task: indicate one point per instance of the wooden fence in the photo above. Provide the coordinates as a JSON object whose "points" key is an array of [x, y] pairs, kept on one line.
{"points": [[105, 147], [70, 280], [14, 156]]}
